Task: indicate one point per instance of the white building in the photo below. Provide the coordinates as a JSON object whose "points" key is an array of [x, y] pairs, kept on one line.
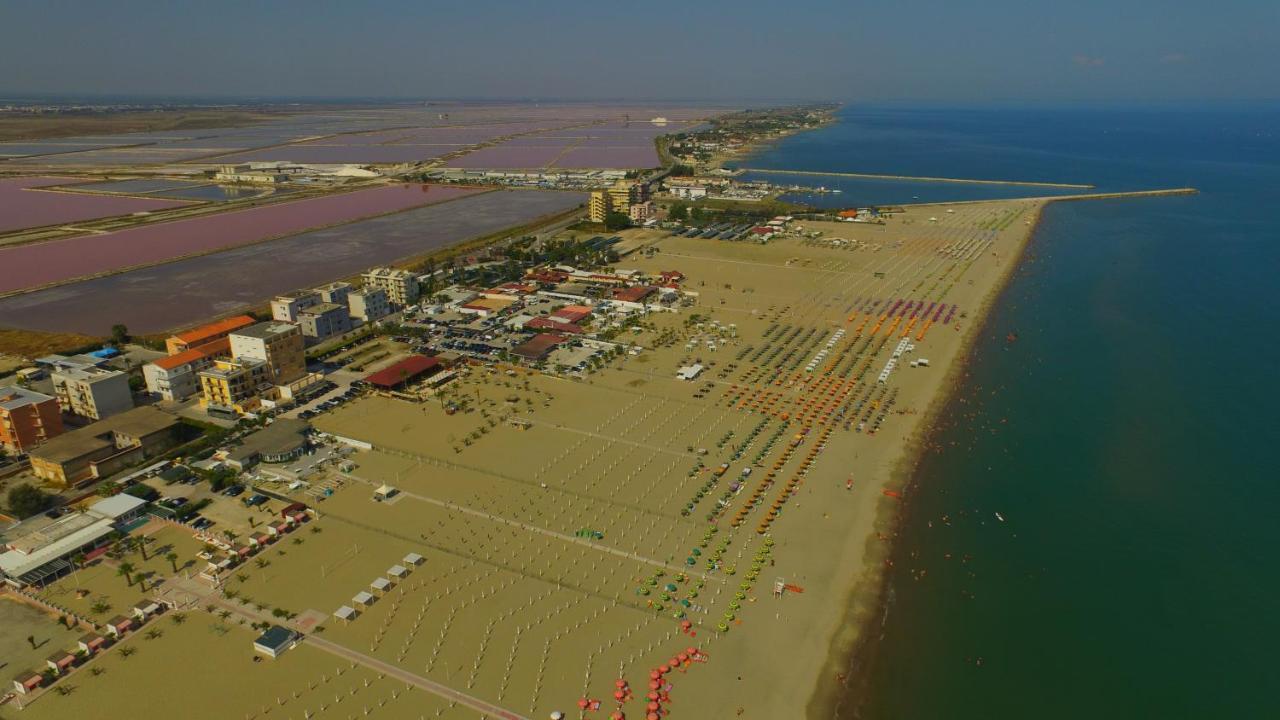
{"points": [[368, 304]]}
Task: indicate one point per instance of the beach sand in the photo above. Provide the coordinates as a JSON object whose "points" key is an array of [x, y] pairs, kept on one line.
{"points": [[516, 607]]}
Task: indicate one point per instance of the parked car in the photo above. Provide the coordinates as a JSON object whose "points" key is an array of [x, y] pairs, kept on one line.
{"points": [[233, 491]]}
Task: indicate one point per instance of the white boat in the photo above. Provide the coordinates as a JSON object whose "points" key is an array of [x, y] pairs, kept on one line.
{"points": [[999, 517]]}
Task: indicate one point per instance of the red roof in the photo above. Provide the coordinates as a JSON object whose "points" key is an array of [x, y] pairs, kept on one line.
{"points": [[572, 313], [542, 323], [403, 371], [221, 346], [195, 336]]}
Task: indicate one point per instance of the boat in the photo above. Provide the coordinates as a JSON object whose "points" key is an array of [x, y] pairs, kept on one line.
{"points": [[999, 517]]}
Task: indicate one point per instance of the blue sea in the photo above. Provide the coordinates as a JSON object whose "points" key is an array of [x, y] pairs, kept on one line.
{"points": [[1127, 437]]}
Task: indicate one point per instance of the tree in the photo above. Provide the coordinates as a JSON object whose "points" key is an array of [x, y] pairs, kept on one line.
{"points": [[26, 500], [677, 211], [119, 334], [126, 570], [32, 639], [616, 221], [172, 557]]}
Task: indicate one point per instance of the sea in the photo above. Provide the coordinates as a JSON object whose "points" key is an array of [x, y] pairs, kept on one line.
{"points": [[1094, 530]]}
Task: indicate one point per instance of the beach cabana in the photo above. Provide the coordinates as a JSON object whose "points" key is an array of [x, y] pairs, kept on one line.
{"points": [[145, 609], [346, 613], [380, 585], [260, 539], [412, 559], [27, 682], [119, 625], [61, 661], [397, 571], [91, 643], [362, 599]]}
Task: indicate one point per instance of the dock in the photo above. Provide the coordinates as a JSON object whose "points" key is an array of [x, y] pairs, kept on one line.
{"points": [[916, 178]]}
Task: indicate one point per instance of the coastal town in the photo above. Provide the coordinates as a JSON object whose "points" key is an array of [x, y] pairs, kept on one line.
{"points": [[485, 432]]}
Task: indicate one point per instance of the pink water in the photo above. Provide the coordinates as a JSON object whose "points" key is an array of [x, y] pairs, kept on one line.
{"points": [[28, 266], [23, 206]]}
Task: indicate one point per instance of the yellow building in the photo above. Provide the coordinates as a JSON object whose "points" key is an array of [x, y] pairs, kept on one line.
{"points": [[598, 206], [235, 385]]}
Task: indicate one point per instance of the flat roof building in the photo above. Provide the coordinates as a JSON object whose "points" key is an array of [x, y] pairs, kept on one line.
{"points": [[368, 304], [335, 293], [324, 320], [275, 641], [401, 285], [27, 418], [41, 553], [234, 385], [285, 308], [99, 449], [91, 391], [278, 344]]}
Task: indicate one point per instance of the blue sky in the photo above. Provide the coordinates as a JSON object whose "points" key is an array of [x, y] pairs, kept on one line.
{"points": [[912, 50]]}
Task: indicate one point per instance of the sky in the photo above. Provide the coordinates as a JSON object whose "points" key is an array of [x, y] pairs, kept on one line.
{"points": [[946, 51]]}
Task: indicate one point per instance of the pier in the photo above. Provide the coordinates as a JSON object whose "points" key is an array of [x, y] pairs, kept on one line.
{"points": [[872, 176]]}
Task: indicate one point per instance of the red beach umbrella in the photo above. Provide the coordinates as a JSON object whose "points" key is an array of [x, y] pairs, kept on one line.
{"points": [[620, 683], [652, 707], [583, 703], [618, 695], [652, 697], [653, 685]]}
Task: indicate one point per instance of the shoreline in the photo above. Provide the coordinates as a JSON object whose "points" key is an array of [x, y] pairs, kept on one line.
{"points": [[866, 600]]}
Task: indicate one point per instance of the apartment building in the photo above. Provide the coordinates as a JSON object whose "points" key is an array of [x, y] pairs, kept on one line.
{"points": [[235, 385], [368, 304], [102, 448], [285, 308], [278, 344], [91, 391], [335, 293], [322, 321], [177, 377], [206, 333], [598, 206], [401, 286], [27, 418]]}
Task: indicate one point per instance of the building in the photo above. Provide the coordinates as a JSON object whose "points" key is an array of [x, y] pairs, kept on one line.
{"points": [[40, 551], [177, 377], [246, 174], [278, 344], [641, 212], [539, 347], [285, 308], [405, 371], [97, 450], [235, 385], [281, 441], [120, 509], [598, 206], [368, 304], [27, 418], [401, 286], [325, 320], [625, 193], [275, 640], [91, 391], [335, 293], [206, 333], [687, 192]]}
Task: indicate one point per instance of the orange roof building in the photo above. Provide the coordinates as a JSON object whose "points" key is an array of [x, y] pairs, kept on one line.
{"points": [[206, 333], [176, 377]]}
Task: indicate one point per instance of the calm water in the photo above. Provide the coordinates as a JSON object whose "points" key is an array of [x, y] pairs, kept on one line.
{"points": [[1125, 437]]}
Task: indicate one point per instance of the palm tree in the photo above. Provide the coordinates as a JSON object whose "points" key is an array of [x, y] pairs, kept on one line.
{"points": [[125, 569], [172, 557], [32, 639], [99, 607]]}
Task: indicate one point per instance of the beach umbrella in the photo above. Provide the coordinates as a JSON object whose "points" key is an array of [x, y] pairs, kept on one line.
{"points": [[652, 707], [583, 703]]}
